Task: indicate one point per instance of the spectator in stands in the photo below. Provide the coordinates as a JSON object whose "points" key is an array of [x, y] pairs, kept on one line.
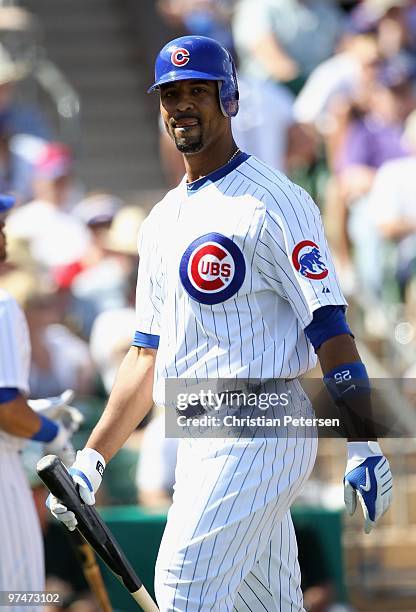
{"points": [[200, 17], [60, 359], [281, 40], [278, 45], [394, 22], [18, 156], [262, 126], [111, 335], [392, 204], [96, 211], [103, 285], [19, 144], [19, 275], [368, 136], [21, 118], [56, 237], [338, 80]]}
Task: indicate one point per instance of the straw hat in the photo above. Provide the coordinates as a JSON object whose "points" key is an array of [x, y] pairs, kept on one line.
{"points": [[123, 233]]}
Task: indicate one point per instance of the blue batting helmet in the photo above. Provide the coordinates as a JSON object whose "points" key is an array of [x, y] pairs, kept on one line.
{"points": [[199, 57]]}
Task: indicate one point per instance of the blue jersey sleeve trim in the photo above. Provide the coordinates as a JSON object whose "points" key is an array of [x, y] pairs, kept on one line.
{"points": [[8, 394], [145, 340], [327, 322]]}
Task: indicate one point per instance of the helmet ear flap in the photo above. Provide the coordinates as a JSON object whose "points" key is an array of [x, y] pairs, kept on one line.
{"points": [[224, 112], [228, 93]]}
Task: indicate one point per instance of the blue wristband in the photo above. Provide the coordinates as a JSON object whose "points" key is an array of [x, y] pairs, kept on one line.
{"points": [[47, 432], [347, 380]]}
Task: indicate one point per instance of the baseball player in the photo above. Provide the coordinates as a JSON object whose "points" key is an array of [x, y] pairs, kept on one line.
{"points": [[235, 281], [21, 550]]}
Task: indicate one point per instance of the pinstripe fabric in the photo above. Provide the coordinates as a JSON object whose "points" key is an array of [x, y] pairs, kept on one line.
{"points": [[21, 549], [14, 355], [229, 538], [265, 215], [229, 541]]}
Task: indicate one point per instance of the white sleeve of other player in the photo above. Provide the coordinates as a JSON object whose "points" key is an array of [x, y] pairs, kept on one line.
{"points": [[293, 254], [148, 291], [14, 346]]}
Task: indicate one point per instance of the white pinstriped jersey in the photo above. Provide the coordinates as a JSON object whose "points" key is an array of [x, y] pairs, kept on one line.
{"points": [[21, 550], [14, 355], [232, 268]]}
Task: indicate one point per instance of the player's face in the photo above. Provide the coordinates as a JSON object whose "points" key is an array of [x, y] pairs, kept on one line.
{"points": [[3, 252], [191, 113]]}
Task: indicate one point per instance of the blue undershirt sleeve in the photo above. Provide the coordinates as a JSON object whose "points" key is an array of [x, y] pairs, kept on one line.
{"points": [[327, 322], [8, 394]]}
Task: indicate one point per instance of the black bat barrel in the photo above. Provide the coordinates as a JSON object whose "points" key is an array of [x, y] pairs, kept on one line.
{"points": [[59, 482]]}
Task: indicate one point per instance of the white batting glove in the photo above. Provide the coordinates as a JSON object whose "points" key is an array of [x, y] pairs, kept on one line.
{"points": [[61, 445], [87, 473], [59, 409], [61, 512], [368, 477]]}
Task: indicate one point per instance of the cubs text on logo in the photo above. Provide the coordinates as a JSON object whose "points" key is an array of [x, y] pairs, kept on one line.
{"points": [[180, 57], [307, 260], [212, 269]]}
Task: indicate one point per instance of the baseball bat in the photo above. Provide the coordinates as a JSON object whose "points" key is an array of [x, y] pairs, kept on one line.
{"points": [[59, 482], [91, 570]]}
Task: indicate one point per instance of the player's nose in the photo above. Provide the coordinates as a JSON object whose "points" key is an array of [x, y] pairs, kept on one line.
{"points": [[184, 103]]}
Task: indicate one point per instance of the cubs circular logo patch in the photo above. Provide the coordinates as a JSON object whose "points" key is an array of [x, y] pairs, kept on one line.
{"points": [[307, 260], [180, 57], [212, 269]]}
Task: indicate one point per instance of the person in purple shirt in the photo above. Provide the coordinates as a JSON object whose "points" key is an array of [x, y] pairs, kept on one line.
{"points": [[372, 136]]}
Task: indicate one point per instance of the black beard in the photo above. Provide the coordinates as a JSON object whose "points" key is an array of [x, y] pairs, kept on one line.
{"points": [[191, 147]]}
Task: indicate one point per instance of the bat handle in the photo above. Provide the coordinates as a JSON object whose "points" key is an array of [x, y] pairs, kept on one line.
{"points": [[144, 600]]}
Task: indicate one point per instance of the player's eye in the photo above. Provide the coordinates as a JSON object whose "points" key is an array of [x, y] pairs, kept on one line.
{"points": [[199, 90], [168, 94]]}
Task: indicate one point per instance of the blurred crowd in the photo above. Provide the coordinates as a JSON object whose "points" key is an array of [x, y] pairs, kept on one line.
{"points": [[328, 96]]}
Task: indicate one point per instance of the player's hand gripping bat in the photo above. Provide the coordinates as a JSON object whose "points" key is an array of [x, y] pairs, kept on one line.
{"points": [[55, 476]]}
